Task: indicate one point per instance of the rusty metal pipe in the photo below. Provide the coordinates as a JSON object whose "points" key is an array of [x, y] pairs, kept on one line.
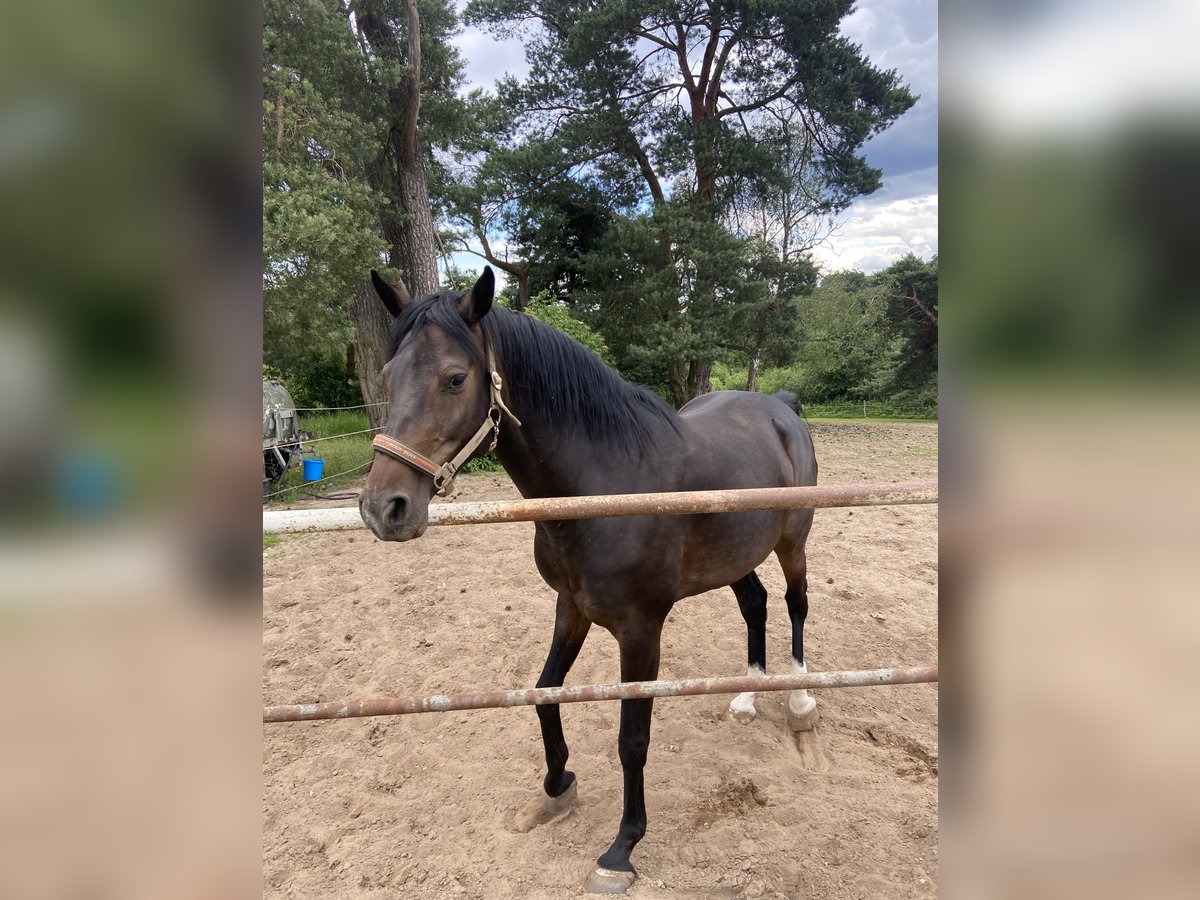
{"points": [[660, 504], [633, 690]]}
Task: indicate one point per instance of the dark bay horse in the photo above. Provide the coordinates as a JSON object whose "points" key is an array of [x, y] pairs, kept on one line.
{"points": [[463, 374]]}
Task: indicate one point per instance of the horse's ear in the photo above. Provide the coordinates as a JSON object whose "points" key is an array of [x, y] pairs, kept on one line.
{"points": [[476, 302], [394, 297]]}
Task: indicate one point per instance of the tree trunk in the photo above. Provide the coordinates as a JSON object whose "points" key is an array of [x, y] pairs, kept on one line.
{"points": [[690, 384], [752, 374], [679, 390], [372, 326], [699, 377], [418, 256], [411, 237], [414, 250], [412, 241]]}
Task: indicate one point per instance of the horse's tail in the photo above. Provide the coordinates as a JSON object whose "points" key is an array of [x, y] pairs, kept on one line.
{"points": [[792, 401]]}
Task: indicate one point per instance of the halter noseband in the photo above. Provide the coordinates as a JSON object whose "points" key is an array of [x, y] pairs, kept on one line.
{"points": [[443, 475]]}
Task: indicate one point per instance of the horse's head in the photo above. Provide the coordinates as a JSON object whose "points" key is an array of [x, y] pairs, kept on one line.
{"points": [[441, 404]]}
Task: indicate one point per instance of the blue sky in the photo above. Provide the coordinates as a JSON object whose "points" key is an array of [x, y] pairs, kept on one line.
{"points": [[902, 215]]}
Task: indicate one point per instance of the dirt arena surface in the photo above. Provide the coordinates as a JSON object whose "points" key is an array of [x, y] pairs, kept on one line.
{"points": [[425, 806]]}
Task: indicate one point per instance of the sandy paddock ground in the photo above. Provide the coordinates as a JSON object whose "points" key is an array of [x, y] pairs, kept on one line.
{"points": [[426, 806]]}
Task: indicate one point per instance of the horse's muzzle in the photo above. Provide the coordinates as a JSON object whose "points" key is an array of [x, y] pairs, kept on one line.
{"points": [[392, 515]]}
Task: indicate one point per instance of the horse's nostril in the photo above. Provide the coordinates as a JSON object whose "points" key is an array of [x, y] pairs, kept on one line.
{"points": [[397, 510]]}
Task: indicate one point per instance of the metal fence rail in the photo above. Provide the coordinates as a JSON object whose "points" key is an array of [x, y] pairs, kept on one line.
{"points": [[633, 690], [661, 504], [658, 504]]}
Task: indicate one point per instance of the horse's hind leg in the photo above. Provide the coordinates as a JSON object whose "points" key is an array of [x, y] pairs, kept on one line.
{"points": [[570, 630], [752, 599], [802, 709]]}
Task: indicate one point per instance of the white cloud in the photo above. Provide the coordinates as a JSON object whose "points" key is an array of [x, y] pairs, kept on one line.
{"points": [[900, 35], [488, 58], [902, 217], [873, 235]]}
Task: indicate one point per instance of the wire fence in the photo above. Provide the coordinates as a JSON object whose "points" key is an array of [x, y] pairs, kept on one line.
{"points": [[336, 409], [297, 487], [344, 456], [331, 437]]}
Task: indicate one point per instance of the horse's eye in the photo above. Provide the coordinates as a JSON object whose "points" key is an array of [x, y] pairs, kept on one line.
{"points": [[456, 382]]}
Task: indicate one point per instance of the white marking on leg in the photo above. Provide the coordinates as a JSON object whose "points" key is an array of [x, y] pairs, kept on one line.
{"points": [[799, 703], [741, 707]]}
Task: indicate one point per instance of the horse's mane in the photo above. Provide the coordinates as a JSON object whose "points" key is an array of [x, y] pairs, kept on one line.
{"points": [[551, 378]]}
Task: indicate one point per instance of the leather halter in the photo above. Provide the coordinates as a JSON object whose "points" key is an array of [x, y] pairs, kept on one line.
{"points": [[443, 475]]}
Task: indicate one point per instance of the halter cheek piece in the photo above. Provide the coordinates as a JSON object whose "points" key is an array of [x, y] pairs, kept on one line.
{"points": [[443, 475]]}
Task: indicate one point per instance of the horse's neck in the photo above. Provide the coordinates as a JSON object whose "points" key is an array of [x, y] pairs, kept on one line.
{"points": [[550, 458], [539, 464]]}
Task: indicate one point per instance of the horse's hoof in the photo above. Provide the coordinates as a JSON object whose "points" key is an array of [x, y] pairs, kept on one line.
{"points": [[805, 718], [556, 806], [609, 881], [741, 709], [546, 809]]}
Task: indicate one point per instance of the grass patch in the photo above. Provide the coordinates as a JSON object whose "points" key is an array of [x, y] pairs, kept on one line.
{"points": [[876, 411], [486, 463], [272, 540], [344, 452], [882, 420]]}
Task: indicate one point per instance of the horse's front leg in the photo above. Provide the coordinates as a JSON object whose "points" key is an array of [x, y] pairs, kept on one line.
{"points": [[570, 630], [639, 662]]}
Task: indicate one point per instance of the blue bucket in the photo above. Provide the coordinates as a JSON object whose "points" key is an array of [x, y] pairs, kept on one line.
{"points": [[313, 469]]}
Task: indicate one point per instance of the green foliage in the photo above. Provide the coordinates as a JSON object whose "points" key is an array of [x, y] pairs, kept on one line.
{"points": [[861, 338], [331, 184], [666, 290], [784, 378], [726, 377], [323, 381], [545, 308], [868, 340], [847, 352], [770, 321], [911, 290], [320, 225], [556, 228], [770, 379], [482, 465]]}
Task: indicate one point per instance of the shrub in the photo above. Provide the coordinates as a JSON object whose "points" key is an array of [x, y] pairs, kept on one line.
{"points": [[322, 381]]}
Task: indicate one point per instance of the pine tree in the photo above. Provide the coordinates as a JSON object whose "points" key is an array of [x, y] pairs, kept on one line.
{"points": [[654, 104]]}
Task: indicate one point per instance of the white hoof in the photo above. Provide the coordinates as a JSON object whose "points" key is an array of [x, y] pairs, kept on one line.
{"points": [[802, 713], [741, 708], [608, 881]]}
